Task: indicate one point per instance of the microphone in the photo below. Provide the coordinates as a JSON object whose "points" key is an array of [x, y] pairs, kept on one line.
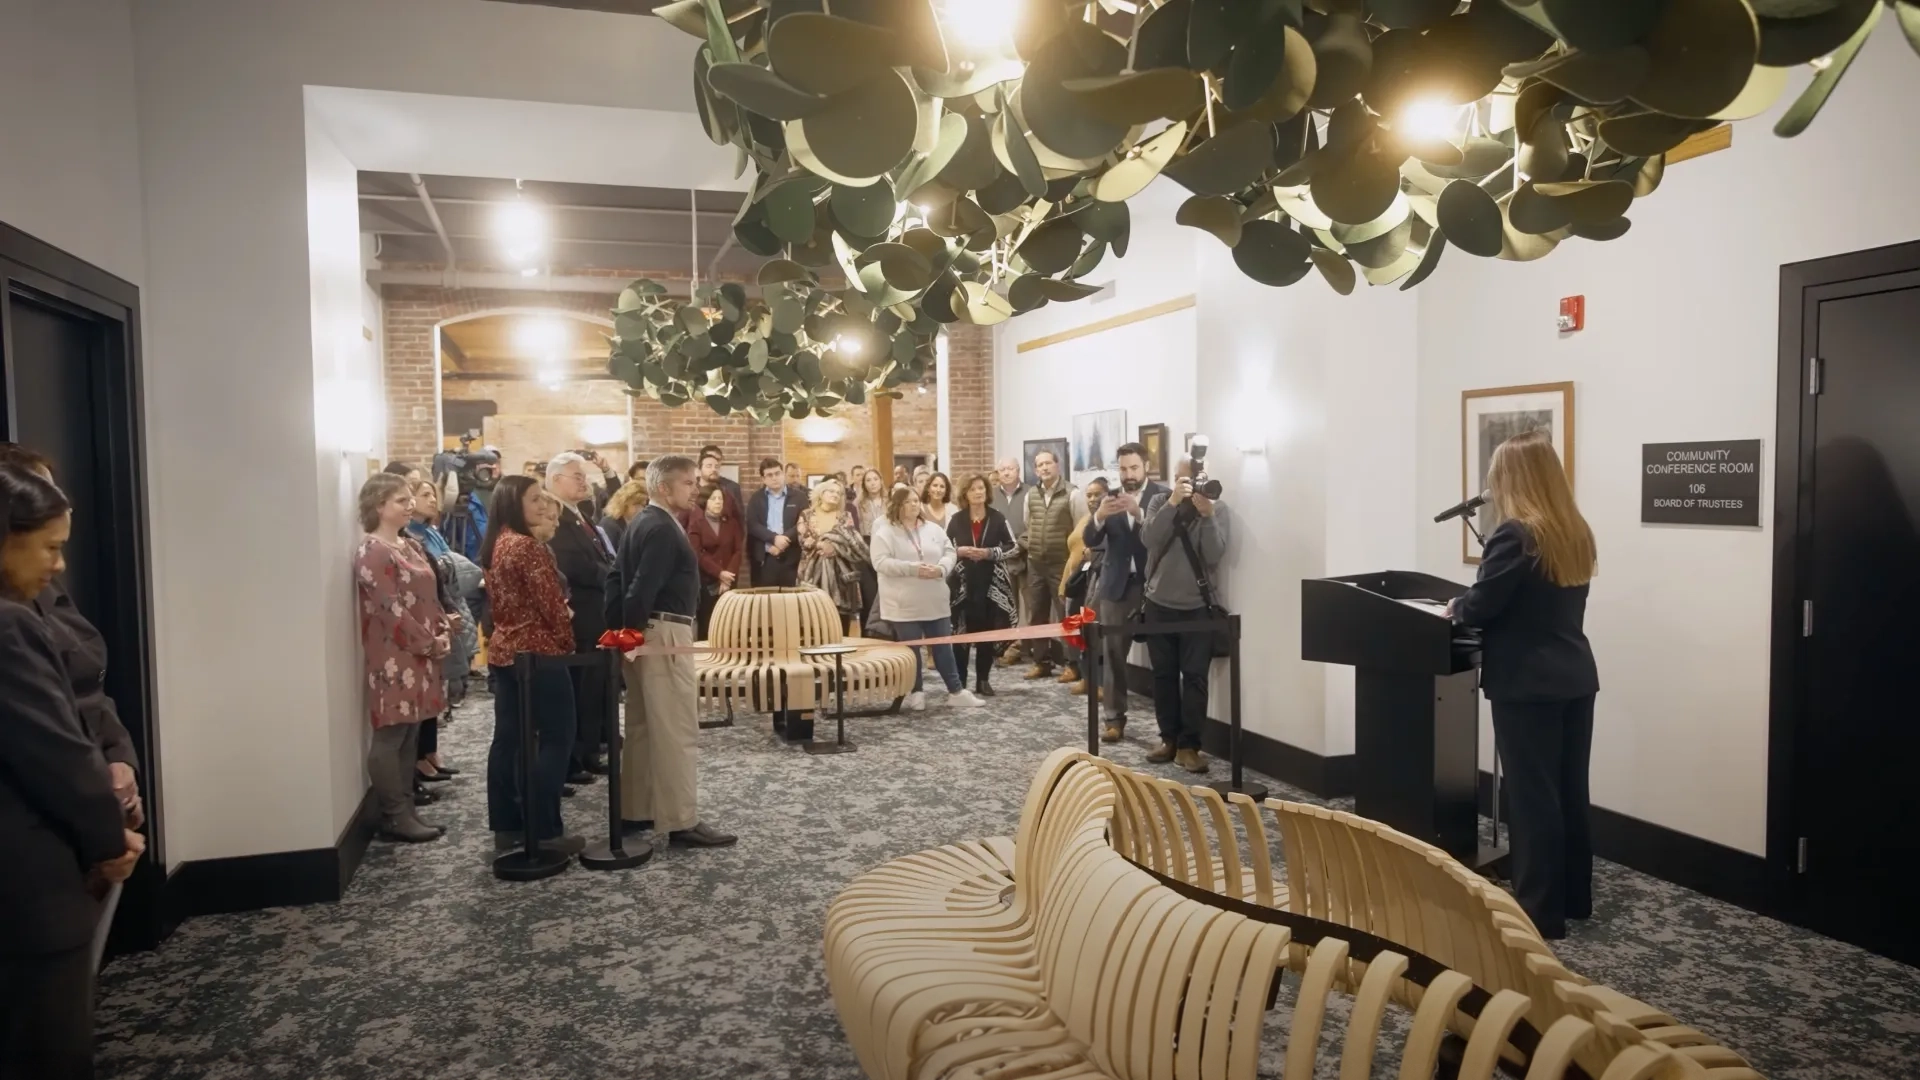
{"points": [[1462, 509]]}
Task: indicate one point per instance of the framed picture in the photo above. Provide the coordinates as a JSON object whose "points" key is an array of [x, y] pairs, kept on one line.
{"points": [[1186, 442], [1491, 417], [1057, 447], [1095, 438], [1154, 438]]}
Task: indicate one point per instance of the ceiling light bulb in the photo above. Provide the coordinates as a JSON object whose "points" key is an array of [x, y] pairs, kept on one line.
{"points": [[848, 347], [521, 229], [1428, 119], [980, 25]]}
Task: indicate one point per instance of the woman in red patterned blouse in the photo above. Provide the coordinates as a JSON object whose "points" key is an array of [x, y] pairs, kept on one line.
{"points": [[530, 615], [405, 634]]}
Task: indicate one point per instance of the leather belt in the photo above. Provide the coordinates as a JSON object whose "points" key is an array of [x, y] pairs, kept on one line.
{"points": [[668, 616]]}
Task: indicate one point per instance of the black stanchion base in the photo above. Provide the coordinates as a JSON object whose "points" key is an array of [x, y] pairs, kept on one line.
{"points": [[1256, 792], [1490, 862], [709, 725], [603, 856], [519, 866], [830, 748]]}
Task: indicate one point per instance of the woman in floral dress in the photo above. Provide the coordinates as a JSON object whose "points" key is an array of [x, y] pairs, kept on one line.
{"points": [[405, 634]]}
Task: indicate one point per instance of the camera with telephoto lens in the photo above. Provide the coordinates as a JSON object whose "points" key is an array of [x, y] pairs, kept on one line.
{"points": [[466, 465], [1202, 483]]}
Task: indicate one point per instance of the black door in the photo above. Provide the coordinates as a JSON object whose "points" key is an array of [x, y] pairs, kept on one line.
{"points": [[70, 391], [1853, 762]]}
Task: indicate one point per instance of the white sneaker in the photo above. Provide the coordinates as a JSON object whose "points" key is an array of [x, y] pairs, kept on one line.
{"points": [[964, 699], [916, 702]]}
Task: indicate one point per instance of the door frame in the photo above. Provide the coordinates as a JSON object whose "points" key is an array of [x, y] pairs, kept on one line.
{"points": [[1801, 286], [64, 282]]}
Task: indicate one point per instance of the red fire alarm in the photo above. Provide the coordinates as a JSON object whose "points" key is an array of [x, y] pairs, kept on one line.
{"points": [[1573, 314]]}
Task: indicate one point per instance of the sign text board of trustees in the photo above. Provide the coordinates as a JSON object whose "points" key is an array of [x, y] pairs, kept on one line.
{"points": [[1700, 483]]}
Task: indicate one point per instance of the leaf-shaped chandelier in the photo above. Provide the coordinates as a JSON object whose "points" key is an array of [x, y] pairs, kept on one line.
{"points": [[924, 162]]}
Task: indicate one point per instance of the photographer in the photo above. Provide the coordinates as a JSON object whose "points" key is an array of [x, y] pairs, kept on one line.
{"points": [[1175, 593], [1115, 528]]}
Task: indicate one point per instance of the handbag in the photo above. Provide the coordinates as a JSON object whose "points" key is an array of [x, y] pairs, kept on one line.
{"points": [[1222, 639], [1080, 582]]}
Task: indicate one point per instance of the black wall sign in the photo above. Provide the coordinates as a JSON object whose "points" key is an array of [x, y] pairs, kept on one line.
{"points": [[1700, 483]]}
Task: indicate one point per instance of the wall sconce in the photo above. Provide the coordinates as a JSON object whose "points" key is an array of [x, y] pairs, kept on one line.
{"points": [[822, 430]]}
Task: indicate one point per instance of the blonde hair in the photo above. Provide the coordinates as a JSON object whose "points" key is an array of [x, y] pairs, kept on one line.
{"points": [[628, 501], [1529, 485]]}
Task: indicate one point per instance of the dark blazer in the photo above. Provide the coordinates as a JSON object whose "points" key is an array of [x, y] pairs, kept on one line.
{"points": [[759, 536], [656, 572], [1533, 646], [84, 653], [58, 814], [1126, 555], [584, 563], [716, 549]]}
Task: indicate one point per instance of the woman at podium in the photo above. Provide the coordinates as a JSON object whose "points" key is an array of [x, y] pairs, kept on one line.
{"points": [[1537, 670]]}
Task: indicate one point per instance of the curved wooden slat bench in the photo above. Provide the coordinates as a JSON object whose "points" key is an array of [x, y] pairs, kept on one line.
{"points": [[1132, 928], [769, 627]]}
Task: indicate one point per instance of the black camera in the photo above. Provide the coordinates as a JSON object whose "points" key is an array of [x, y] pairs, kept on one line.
{"points": [[1202, 483], [474, 469]]}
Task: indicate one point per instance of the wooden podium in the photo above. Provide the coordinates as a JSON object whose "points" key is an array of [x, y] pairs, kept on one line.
{"points": [[1416, 722]]}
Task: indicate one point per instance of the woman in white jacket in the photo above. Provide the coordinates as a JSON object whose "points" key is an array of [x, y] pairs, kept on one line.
{"points": [[912, 557]]}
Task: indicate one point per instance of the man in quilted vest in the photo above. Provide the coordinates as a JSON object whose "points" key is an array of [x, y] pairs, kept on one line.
{"points": [[1054, 509]]}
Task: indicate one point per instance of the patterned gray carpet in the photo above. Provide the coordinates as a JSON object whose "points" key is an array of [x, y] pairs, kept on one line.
{"points": [[707, 964]]}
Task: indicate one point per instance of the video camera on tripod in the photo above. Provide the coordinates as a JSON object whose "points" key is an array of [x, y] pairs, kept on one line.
{"points": [[472, 469]]}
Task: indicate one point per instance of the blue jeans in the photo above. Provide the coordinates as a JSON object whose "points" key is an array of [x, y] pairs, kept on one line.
{"points": [[553, 720], [908, 631]]}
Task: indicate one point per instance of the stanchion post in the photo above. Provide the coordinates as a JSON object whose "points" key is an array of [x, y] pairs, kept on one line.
{"points": [[617, 853], [1236, 759], [532, 862], [839, 745], [1090, 665]]}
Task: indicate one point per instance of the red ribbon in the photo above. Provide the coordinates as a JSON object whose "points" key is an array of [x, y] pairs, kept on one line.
{"points": [[1071, 625], [623, 640]]}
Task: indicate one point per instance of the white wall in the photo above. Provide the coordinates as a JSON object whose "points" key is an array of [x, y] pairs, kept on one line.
{"points": [[69, 148], [1680, 344], [1323, 385], [1146, 368], [249, 314]]}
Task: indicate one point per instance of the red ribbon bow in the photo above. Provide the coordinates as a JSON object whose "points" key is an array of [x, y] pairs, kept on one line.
{"points": [[623, 640], [1072, 624]]}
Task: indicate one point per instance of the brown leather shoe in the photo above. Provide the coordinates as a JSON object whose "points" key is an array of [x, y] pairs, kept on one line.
{"points": [[1069, 674], [1161, 754], [1078, 689], [1191, 760], [1040, 671], [701, 835], [1113, 731]]}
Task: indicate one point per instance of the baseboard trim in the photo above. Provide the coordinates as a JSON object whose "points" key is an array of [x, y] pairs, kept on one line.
{"points": [[1330, 777], [1729, 874], [275, 879]]}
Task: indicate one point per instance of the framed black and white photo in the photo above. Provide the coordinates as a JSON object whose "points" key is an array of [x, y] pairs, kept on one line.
{"points": [[1096, 436], [1154, 438], [1056, 447], [1491, 417]]}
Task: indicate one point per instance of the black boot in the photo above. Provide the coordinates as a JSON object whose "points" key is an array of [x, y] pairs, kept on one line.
{"points": [[982, 687]]}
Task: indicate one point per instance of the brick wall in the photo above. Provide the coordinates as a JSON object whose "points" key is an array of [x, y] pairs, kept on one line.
{"points": [[970, 399], [414, 391]]}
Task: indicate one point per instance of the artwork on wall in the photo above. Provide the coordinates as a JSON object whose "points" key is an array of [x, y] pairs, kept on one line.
{"points": [[1095, 438], [1154, 438], [1186, 442], [1058, 447], [1491, 417]]}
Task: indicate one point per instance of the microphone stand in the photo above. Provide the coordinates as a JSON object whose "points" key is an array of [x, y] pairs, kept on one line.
{"points": [[1468, 518]]}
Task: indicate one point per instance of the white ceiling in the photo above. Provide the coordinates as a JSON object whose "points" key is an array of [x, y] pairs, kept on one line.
{"points": [[391, 131]]}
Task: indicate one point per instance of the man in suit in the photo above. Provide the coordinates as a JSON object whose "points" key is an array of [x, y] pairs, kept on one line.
{"points": [[584, 560], [655, 588], [773, 529], [797, 485], [1115, 527]]}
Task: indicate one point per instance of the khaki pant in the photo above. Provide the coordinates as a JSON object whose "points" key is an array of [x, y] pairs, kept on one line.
{"points": [[658, 778]]}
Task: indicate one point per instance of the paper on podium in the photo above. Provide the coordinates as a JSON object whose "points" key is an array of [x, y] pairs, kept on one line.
{"points": [[1431, 607]]}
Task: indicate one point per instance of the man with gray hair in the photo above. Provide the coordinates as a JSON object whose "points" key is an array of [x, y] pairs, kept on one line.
{"points": [[1185, 537], [584, 560], [655, 589], [1010, 498]]}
